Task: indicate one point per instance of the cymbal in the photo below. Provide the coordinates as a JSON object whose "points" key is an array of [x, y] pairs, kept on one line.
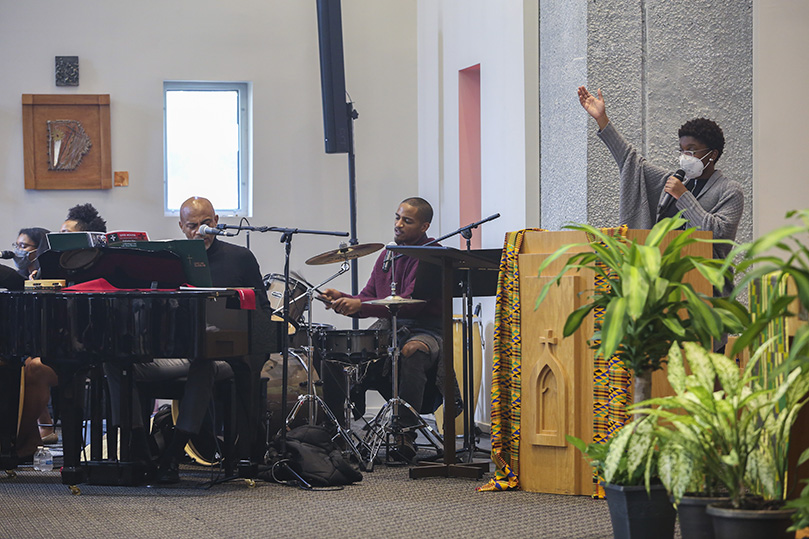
{"points": [[394, 300], [346, 252]]}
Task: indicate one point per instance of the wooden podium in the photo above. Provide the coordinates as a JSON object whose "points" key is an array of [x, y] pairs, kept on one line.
{"points": [[557, 373]]}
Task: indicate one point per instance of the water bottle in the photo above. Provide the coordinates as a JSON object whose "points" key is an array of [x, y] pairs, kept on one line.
{"points": [[46, 462], [38, 458]]}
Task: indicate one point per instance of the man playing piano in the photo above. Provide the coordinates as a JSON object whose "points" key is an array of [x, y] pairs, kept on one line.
{"points": [[230, 266]]}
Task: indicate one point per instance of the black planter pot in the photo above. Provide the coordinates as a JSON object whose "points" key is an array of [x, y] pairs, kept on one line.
{"points": [[695, 522], [750, 524], [635, 515]]}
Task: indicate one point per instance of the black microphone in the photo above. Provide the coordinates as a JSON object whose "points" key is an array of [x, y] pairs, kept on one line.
{"points": [[388, 258], [6, 254], [205, 229], [667, 200]]}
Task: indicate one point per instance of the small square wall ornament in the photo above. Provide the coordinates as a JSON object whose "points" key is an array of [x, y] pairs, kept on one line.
{"points": [[67, 71]]}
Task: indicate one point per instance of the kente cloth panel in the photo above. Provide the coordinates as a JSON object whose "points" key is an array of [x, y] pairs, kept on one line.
{"points": [[612, 382], [506, 365]]}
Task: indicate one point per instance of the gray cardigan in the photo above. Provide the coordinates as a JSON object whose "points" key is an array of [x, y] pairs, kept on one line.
{"points": [[717, 208]]}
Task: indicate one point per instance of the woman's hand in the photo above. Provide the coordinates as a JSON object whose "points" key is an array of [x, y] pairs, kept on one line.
{"points": [[594, 106]]}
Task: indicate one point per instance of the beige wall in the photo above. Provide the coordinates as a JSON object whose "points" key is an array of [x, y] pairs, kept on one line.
{"points": [[780, 115], [128, 49]]}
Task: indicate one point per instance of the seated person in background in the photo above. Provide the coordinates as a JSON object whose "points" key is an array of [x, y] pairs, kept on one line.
{"points": [[39, 378], [231, 266], [421, 376], [83, 218], [29, 242]]}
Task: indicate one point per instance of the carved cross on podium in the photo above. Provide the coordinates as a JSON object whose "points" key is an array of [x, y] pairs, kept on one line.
{"points": [[550, 387], [549, 341]]}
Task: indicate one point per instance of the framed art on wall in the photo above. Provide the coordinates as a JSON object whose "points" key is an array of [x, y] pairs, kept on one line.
{"points": [[66, 141]]}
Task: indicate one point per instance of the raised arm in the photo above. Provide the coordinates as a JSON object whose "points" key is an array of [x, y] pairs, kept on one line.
{"points": [[594, 106]]}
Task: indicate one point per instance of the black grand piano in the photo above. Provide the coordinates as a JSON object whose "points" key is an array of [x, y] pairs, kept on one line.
{"points": [[76, 332]]}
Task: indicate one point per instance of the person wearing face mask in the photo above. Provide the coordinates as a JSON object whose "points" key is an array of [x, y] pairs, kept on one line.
{"points": [[29, 242], [708, 199]]}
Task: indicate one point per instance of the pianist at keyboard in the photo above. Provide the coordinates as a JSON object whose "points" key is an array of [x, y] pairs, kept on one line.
{"points": [[230, 265]]}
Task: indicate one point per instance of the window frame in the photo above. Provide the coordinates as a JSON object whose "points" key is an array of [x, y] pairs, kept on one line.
{"points": [[245, 182]]}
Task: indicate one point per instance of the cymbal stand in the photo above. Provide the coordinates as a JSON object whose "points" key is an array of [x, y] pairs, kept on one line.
{"points": [[386, 424], [314, 401]]}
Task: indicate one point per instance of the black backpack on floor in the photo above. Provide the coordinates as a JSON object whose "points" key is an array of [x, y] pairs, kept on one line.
{"points": [[314, 456]]}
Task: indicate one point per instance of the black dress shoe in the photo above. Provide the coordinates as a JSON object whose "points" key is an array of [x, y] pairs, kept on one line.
{"points": [[169, 475]]}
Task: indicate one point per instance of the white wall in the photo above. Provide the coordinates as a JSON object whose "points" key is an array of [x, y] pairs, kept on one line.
{"points": [[128, 49], [502, 38], [780, 116]]}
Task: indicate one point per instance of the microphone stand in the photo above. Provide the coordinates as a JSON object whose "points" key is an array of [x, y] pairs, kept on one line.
{"points": [[468, 356], [286, 239]]}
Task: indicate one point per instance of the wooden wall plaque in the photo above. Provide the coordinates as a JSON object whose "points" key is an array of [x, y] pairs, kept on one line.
{"points": [[66, 141]]}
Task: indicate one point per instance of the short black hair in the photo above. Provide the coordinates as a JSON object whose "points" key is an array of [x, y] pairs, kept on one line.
{"points": [[423, 208], [36, 234], [707, 132], [87, 218]]}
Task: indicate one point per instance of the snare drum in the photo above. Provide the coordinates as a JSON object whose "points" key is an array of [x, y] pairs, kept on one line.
{"points": [[274, 283], [301, 338], [353, 344]]}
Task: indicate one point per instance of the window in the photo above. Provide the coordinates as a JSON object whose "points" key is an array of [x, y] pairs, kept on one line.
{"points": [[206, 145]]}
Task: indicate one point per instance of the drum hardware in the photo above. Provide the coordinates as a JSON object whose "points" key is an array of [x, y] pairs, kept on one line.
{"points": [[353, 443], [286, 238], [385, 426]]}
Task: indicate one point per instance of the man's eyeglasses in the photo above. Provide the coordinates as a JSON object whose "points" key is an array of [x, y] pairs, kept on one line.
{"points": [[20, 245]]}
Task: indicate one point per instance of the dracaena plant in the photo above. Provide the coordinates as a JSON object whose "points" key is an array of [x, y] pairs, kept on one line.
{"points": [[784, 253], [647, 304]]}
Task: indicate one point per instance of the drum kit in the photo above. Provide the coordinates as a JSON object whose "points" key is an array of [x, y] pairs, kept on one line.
{"points": [[351, 350]]}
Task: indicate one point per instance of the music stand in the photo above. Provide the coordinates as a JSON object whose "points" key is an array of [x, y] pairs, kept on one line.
{"points": [[452, 262]]}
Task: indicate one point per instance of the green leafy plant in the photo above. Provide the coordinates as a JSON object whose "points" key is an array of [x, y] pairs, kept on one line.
{"points": [[783, 252], [647, 305], [629, 458], [736, 436]]}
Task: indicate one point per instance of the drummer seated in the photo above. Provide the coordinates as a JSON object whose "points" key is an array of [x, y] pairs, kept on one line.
{"points": [[420, 323]]}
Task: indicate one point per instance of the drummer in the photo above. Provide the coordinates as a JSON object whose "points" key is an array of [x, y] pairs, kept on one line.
{"points": [[420, 379]]}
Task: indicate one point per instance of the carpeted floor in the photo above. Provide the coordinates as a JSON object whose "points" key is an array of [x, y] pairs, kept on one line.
{"points": [[386, 503]]}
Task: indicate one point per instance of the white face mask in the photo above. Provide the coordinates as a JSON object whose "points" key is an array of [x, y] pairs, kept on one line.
{"points": [[693, 166]]}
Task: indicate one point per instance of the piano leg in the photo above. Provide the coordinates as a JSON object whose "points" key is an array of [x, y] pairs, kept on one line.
{"points": [[10, 378], [72, 381]]}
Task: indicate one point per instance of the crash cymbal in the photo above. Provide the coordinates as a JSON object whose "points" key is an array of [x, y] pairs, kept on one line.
{"points": [[394, 300], [345, 252]]}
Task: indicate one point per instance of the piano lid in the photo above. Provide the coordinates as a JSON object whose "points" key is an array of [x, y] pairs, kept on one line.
{"points": [[126, 268]]}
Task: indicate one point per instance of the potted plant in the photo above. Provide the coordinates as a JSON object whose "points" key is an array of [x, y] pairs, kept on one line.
{"points": [[647, 306], [783, 253], [737, 436], [639, 506]]}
